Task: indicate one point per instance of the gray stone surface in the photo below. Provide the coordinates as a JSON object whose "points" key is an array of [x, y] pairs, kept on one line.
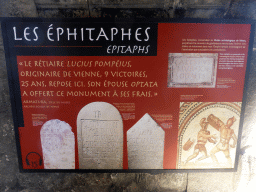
{"points": [[62, 8], [215, 181], [243, 9], [18, 8], [131, 3], [58, 4], [163, 182]]}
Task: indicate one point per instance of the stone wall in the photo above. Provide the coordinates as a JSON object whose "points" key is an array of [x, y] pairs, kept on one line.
{"points": [[10, 177]]}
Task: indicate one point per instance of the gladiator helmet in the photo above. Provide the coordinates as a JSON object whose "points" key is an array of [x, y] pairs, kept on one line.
{"points": [[203, 124], [231, 121]]}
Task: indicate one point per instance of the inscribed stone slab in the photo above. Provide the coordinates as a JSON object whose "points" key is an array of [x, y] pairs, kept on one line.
{"points": [[100, 137], [58, 144], [145, 141], [192, 70]]}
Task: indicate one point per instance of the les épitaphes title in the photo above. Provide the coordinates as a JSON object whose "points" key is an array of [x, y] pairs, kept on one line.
{"points": [[112, 35]]}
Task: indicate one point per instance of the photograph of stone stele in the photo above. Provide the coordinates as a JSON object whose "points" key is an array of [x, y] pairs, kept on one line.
{"points": [[208, 134], [58, 145], [145, 141], [100, 137], [192, 70]]}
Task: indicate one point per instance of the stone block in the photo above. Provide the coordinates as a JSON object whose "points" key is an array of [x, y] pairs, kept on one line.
{"points": [[45, 182], [122, 179], [92, 179], [8, 153], [210, 181], [134, 187], [205, 3], [18, 8], [162, 182], [61, 4], [131, 3], [62, 8], [243, 9], [204, 13]]}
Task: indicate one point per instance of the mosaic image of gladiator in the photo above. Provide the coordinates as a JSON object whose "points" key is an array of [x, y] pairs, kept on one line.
{"points": [[202, 137], [226, 134], [208, 134]]}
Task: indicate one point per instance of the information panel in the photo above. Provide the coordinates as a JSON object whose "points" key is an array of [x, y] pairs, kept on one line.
{"points": [[95, 95]]}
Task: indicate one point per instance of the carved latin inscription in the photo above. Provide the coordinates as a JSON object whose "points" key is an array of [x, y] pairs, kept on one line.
{"points": [[145, 141], [58, 144], [192, 70], [100, 137]]}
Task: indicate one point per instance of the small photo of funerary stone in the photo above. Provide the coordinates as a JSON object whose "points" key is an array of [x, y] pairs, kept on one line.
{"points": [[192, 70]]}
